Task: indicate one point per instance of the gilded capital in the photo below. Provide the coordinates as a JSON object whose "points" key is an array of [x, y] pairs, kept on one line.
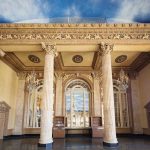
{"points": [[2, 53], [49, 48], [105, 48]]}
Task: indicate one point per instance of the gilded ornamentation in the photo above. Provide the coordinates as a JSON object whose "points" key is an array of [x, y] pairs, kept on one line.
{"points": [[63, 36], [105, 48], [34, 59], [121, 58], [77, 58], [96, 75], [72, 75], [74, 32], [49, 48]]}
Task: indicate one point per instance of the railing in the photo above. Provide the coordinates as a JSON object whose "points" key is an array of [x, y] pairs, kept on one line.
{"points": [[77, 20], [69, 20]]}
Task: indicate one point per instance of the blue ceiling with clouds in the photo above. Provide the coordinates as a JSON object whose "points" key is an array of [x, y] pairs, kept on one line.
{"points": [[40, 11]]}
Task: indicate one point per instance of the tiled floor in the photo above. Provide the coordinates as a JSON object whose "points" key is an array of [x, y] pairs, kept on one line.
{"points": [[76, 143]]}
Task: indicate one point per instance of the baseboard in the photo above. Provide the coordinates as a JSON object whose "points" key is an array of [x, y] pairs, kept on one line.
{"points": [[133, 135], [9, 132], [21, 136], [146, 131], [31, 130]]}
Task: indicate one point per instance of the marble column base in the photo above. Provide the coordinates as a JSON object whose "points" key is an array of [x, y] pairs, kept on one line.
{"points": [[110, 144], [48, 145]]}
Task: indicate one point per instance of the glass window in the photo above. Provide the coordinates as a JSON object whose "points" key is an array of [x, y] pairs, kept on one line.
{"points": [[77, 104]]}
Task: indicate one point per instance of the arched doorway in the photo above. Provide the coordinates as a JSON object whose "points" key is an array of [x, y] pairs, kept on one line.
{"points": [[77, 100]]}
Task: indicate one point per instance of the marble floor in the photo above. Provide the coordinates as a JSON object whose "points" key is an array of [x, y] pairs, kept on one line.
{"points": [[76, 143]]}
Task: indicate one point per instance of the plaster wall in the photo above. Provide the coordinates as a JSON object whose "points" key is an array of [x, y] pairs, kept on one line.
{"points": [[144, 86], [8, 90]]}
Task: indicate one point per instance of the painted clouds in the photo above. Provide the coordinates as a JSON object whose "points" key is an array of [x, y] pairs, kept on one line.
{"points": [[41, 10]]}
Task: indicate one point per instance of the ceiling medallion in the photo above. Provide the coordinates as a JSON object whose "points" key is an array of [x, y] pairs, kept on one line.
{"points": [[34, 59], [77, 58], [121, 58]]}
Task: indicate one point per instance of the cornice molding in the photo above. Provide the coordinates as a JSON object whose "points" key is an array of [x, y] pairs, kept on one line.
{"points": [[74, 25], [74, 32], [141, 61]]}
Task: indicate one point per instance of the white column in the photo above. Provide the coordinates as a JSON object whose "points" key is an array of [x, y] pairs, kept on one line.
{"points": [[47, 102], [18, 130], [109, 138], [59, 97]]}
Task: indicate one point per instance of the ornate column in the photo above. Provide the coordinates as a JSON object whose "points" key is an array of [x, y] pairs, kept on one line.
{"points": [[109, 138], [47, 102], [18, 130], [59, 95]]}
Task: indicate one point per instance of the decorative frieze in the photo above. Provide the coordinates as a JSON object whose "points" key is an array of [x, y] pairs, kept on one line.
{"points": [[56, 32], [72, 36], [89, 76]]}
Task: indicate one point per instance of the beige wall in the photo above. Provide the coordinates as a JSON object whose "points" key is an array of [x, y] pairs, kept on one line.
{"points": [[144, 85], [8, 90]]}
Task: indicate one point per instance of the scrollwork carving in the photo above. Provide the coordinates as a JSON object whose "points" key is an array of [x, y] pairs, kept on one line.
{"points": [[63, 36], [105, 48], [49, 48]]}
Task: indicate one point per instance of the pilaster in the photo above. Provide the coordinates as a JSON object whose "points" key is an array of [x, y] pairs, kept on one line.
{"points": [[135, 94], [97, 97], [59, 95]]}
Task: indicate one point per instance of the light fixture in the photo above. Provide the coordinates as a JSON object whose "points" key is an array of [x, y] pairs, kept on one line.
{"points": [[123, 79], [32, 81]]}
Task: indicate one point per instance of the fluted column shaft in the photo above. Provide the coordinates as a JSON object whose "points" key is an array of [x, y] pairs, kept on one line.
{"points": [[108, 96], [47, 102]]}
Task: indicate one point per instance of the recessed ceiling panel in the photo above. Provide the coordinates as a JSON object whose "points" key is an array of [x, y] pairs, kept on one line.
{"points": [[131, 56], [24, 58], [67, 59]]}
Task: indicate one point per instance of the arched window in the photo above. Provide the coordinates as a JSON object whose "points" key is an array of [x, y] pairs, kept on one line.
{"points": [[34, 105], [121, 107], [77, 104]]}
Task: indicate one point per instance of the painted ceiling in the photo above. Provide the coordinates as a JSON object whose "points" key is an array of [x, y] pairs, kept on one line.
{"points": [[47, 11]]}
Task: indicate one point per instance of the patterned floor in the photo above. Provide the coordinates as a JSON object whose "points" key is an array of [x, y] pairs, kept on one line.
{"points": [[76, 143]]}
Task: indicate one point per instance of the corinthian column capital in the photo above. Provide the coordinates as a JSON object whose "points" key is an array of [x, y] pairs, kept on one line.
{"points": [[105, 48], [49, 48], [2, 53]]}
